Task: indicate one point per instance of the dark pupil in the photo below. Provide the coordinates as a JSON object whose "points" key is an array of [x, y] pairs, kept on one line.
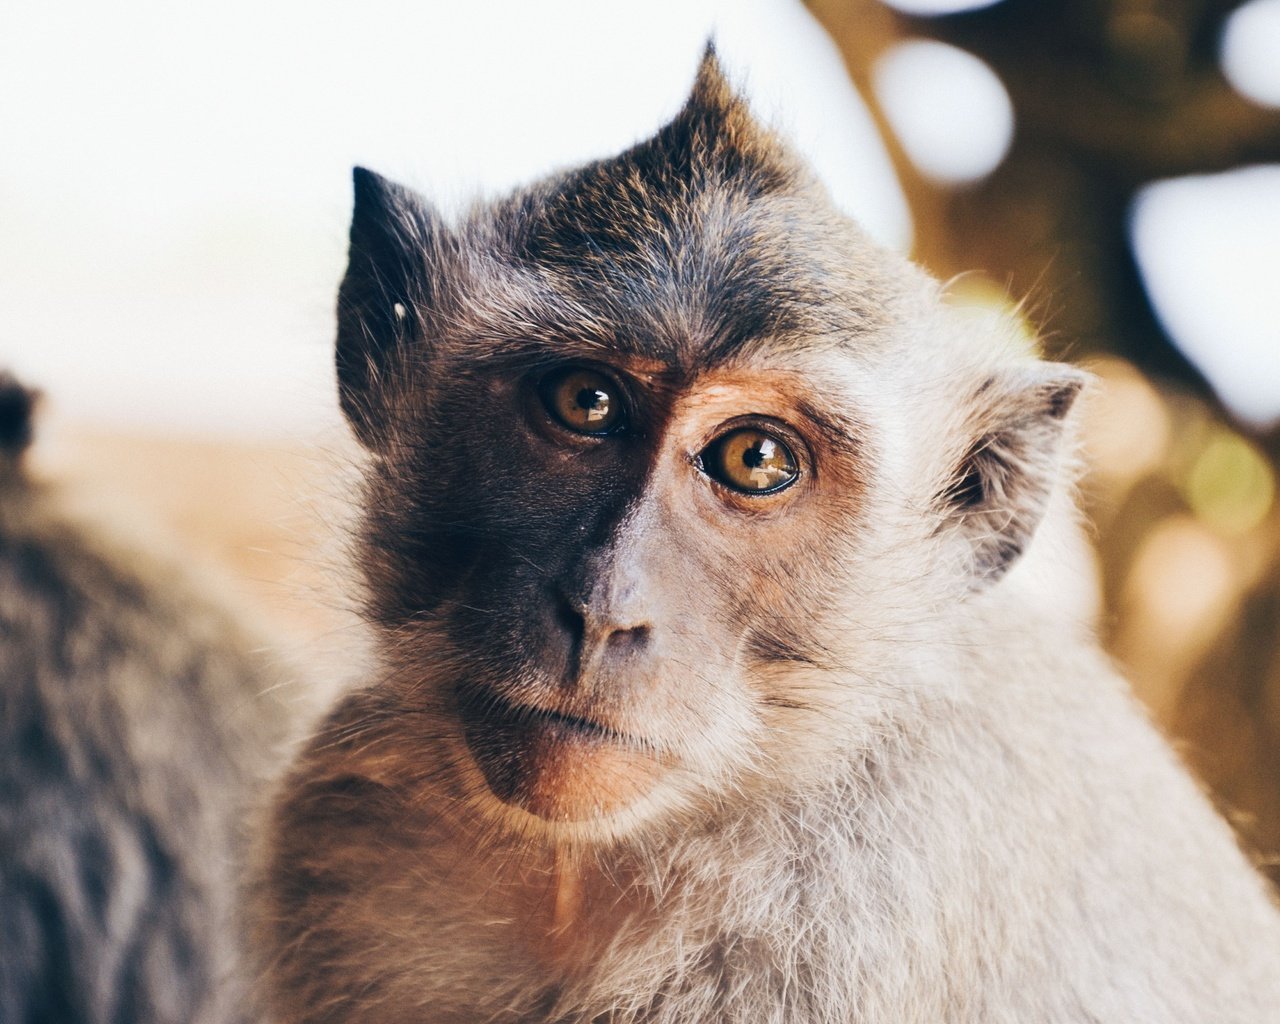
{"points": [[589, 398], [754, 456]]}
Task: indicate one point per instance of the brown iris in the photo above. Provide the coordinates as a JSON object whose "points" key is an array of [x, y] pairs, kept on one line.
{"points": [[751, 460], [585, 401]]}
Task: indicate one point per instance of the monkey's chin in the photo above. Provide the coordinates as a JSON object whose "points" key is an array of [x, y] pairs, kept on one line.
{"points": [[556, 767]]}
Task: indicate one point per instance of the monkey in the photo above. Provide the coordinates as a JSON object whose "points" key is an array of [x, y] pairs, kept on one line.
{"points": [[140, 721], [716, 568]]}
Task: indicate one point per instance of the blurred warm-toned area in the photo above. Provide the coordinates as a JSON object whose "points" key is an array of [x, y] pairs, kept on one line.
{"points": [[263, 521]]}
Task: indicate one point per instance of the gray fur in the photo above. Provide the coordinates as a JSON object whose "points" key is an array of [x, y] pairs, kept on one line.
{"points": [[135, 727]]}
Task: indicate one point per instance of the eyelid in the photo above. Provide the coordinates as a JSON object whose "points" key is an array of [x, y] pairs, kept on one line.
{"points": [[794, 439]]}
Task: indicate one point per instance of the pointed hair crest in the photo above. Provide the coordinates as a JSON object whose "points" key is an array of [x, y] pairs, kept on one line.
{"points": [[715, 131]]}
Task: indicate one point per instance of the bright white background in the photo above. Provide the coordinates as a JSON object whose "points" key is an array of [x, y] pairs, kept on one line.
{"points": [[174, 178]]}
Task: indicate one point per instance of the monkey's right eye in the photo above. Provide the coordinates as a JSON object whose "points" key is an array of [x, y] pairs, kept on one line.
{"points": [[583, 400], [751, 461]]}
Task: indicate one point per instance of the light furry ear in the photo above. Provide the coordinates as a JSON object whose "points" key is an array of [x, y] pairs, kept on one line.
{"points": [[1001, 487], [387, 297]]}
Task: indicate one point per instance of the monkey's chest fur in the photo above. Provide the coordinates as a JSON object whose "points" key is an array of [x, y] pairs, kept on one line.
{"points": [[398, 912], [939, 878]]}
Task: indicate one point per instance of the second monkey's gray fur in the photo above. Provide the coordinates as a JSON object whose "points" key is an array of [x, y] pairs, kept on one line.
{"points": [[137, 719]]}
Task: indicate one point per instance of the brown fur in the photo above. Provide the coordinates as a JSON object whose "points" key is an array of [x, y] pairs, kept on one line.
{"points": [[645, 748]]}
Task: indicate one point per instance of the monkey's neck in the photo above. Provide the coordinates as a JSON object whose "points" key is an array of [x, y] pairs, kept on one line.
{"points": [[564, 905], [566, 928]]}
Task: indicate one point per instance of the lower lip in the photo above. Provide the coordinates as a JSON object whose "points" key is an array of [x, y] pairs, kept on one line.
{"points": [[557, 768]]}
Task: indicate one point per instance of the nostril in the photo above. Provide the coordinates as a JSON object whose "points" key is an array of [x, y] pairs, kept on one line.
{"points": [[634, 636], [570, 620]]}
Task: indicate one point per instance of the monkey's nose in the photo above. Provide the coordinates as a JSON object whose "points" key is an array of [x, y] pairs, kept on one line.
{"points": [[604, 622], [600, 629]]}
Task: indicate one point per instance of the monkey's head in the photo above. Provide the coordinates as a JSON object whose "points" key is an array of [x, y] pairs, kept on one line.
{"points": [[673, 474]]}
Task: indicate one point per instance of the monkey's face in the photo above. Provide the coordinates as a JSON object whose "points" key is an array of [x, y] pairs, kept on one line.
{"points": [[599, 562], [666, 472]]}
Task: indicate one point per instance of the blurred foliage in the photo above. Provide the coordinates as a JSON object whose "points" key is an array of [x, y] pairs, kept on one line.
{"points": [[1110, 95]]}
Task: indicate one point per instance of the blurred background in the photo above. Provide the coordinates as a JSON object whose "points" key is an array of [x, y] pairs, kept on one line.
{"points": [[174, 192]]}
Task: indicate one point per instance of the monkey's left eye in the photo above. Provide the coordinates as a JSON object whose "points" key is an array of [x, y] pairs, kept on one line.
{"points": [[584, 400], [750, 460]]}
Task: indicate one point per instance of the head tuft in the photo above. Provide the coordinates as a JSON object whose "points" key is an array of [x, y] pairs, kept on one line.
{"points": [[716, 138], [720, 114]]}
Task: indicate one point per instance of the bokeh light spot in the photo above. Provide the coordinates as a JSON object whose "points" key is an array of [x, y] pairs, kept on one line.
{"points": [[1208, 247], [1230, 486], [1251, 51], [1127, 426], [1179, 593], [949, 110], [1182, 577], [937, 8]]}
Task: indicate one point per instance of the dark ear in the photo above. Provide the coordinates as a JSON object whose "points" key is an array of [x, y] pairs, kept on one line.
{"points": [[387, 298], [1001, 487], [17, 406]]}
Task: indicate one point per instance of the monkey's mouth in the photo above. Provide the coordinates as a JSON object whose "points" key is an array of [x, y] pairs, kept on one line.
{"points": [[558, 766]]}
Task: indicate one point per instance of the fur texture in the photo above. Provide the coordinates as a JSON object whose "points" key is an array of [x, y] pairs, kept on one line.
{"points": [[136, 723], [845, 756]]}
